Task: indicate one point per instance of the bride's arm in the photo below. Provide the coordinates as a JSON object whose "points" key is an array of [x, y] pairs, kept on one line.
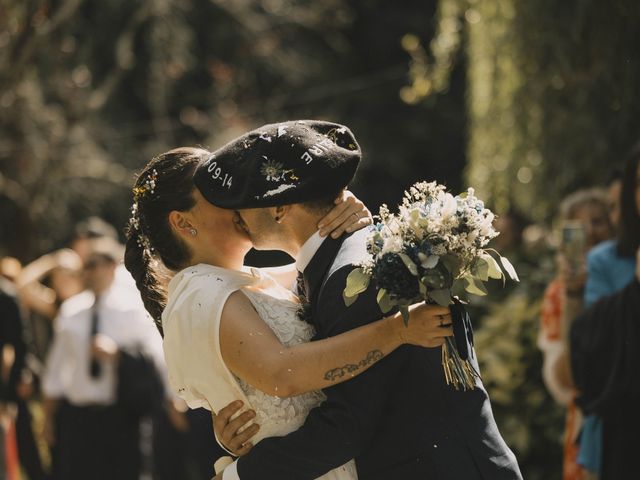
{"points": [[251, 350]]}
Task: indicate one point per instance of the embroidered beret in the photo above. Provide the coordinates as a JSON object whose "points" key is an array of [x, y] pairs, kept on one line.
{"points": [[280, 164]]}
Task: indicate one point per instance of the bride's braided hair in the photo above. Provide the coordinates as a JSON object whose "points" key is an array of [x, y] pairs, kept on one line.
{"points": [[153, 253]]}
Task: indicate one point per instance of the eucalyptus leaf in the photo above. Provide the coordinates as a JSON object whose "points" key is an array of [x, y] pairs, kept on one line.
{"points": [[384, 302], [423, 222], [433, 279], [452, 263], [494, 268], [458, 289], [475, 286], [480, 269], [348, 301], [413, 268], [508, 267], [441, 297], [357, 282]]}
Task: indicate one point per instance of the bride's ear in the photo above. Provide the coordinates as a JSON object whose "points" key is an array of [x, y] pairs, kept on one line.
{"points": [[180, 223]]}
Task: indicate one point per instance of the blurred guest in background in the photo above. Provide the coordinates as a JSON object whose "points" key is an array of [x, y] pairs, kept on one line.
{"points": [[92, 404], [604, 343], [49, 280], [87, 230], [16, 382], [614, 191], [10, 268], [511, 226], [588, 209]]}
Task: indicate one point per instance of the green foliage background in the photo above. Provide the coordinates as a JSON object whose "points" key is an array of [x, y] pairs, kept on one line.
{"points": [[91, 90], [551, 93], [525, 100]]}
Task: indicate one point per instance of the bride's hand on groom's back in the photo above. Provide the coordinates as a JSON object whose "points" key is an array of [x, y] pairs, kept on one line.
{"points": [[228, 430], [349, 215], [428, 325]]}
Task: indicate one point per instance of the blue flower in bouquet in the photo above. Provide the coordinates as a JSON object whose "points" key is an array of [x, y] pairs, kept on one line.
{"points": [[392, 275], [433, 249]]}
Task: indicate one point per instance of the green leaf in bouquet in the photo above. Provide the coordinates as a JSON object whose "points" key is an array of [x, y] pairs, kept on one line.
{"points": [[357, 282], [348, 301], [508, 267], [480, 269], [475, 286], [452, 263], [413, 268], [458, 289], [433, 279], [441, 297], [423, 222], [384, 301], [494, 268]]}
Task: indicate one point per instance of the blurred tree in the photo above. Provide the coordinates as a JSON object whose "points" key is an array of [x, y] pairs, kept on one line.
{"points": [[551, 108], [89, 91], [551, 95]]}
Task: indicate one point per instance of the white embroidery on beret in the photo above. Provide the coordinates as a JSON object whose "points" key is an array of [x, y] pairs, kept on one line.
{"points": [[272, 170], [280, 189]]}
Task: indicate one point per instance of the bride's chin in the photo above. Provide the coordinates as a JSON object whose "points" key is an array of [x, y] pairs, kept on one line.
{"points": [[242, 237]]}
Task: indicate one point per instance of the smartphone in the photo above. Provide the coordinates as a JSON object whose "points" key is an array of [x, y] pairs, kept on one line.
{"points": [[573, 243]]}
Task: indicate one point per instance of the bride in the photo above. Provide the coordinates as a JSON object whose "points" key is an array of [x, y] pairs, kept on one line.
{"points": [[232, 332]]}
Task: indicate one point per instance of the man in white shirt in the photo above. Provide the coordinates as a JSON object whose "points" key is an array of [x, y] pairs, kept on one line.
{"points": [[93, 435]]}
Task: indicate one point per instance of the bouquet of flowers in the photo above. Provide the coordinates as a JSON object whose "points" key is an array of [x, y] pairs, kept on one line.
{"points": [[433, 249]]}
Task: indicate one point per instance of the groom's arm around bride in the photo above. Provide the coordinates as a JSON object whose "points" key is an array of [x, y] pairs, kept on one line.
{"points": [[342, 427]]}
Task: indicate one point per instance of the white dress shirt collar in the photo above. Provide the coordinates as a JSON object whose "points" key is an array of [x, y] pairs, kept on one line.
{"points": [[308, 250]]}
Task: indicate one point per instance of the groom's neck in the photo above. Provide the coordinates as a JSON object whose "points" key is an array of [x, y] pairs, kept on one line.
{"points": [[302, 227]]}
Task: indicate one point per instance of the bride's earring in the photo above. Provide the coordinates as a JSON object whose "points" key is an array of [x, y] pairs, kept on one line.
{"points": [[277, 219], [193, 232]]}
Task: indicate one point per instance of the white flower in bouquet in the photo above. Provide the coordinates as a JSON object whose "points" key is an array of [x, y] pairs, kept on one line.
{"points": [[433, 249]]}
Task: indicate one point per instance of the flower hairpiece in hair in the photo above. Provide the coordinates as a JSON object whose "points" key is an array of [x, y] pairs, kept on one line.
{"points": [[142, 240], [148, 187]]}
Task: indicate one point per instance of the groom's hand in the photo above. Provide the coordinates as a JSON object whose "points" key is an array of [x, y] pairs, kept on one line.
{"points": [[230, 433], [428, 326]]}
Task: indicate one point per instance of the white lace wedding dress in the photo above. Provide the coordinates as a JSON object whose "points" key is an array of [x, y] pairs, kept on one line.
{"points": [[278, 416], [191, 342]]}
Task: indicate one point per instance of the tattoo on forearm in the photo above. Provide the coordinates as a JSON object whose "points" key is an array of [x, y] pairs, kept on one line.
{"points": [[350, 368]]}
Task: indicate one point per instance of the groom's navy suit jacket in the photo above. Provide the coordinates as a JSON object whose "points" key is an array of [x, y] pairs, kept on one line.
{"points": [[399, 420]]}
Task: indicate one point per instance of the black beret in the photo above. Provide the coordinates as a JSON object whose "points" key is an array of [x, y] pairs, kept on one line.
{"points": [[280, 164]]}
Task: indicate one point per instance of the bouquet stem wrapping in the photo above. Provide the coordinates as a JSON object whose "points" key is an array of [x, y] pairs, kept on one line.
{"points": [[457, 372]]}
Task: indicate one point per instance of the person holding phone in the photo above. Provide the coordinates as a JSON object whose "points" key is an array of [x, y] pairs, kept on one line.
{"points": [[610, 432], [584, 223]]}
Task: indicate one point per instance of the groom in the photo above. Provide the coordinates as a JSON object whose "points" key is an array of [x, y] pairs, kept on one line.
{"points": [[399, 420]]}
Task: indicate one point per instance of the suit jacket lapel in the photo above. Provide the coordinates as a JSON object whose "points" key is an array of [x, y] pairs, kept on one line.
{"points": [[319, 265]]}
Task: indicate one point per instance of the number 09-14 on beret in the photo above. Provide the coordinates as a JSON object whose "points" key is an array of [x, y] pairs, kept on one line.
{"points": [[280, 164]]}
